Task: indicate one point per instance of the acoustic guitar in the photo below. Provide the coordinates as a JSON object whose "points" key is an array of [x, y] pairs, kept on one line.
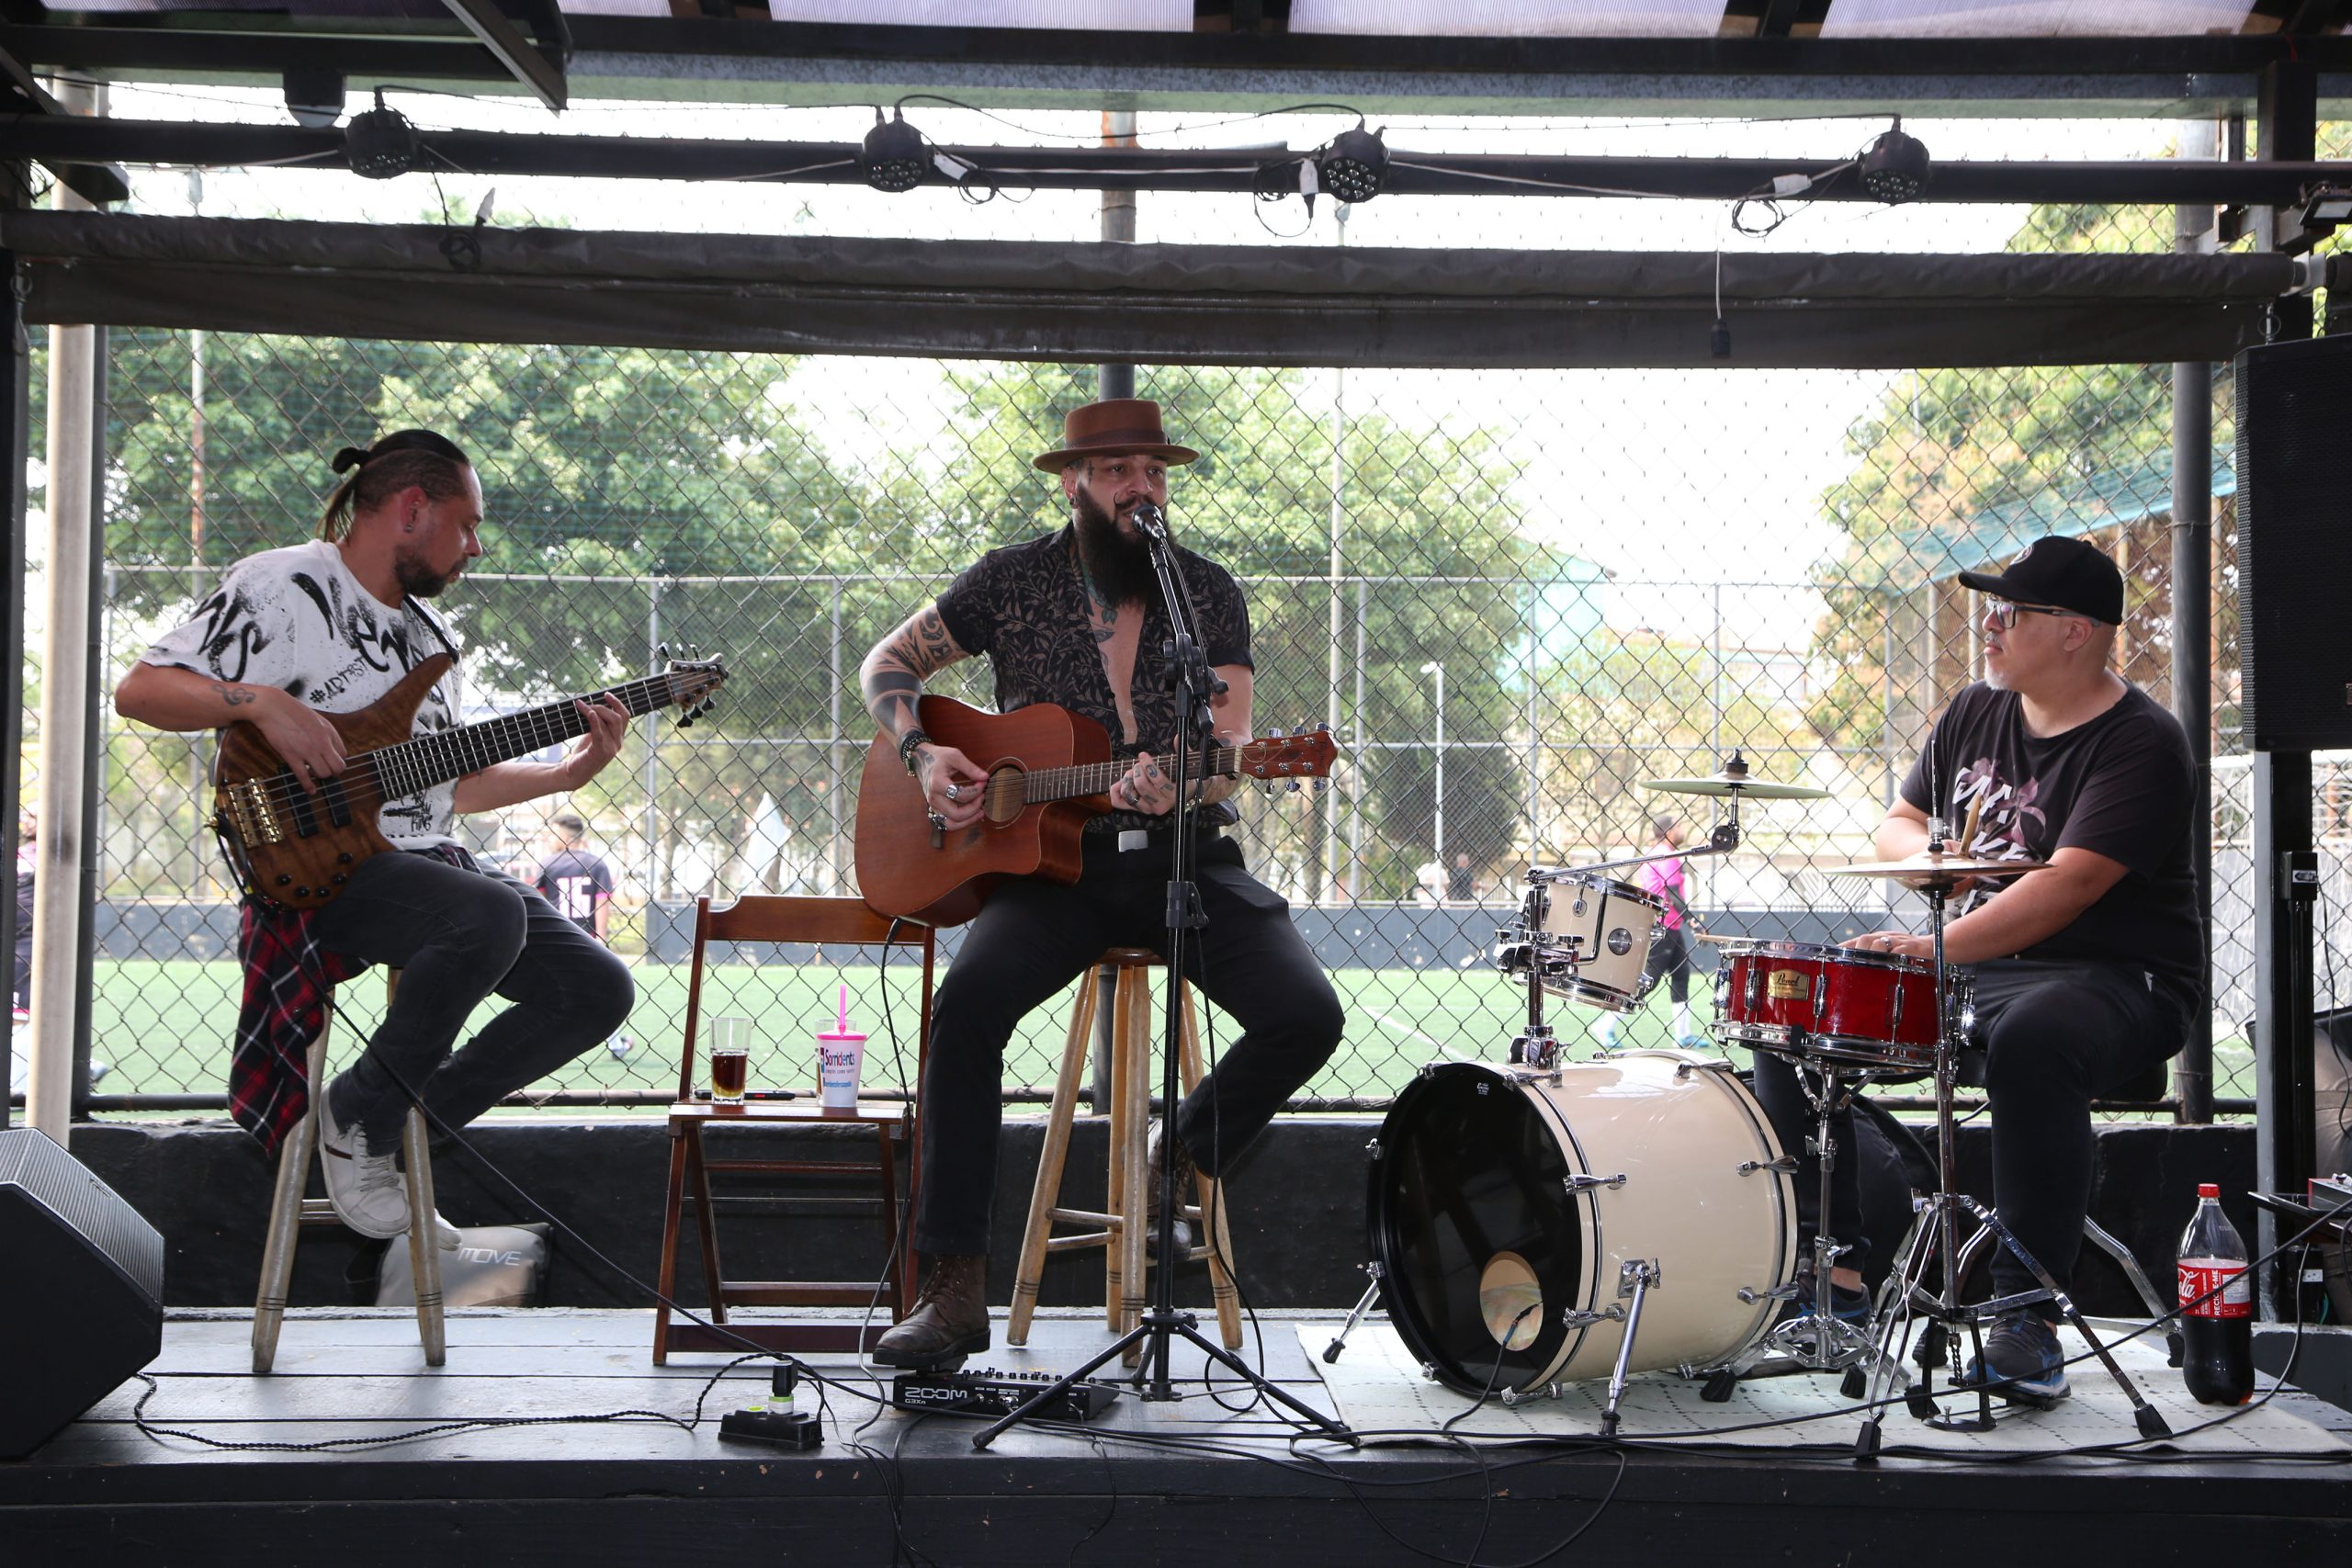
{"points": [[297, 847], [1049, 771]]}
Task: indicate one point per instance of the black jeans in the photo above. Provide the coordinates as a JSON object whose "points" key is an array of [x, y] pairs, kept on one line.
{"points": [[2055, 1035], [1035, 937], [1670, 959], [459, 936]]}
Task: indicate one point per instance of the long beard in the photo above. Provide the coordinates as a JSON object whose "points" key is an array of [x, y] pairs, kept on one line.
{"points": [[1119, 563]]}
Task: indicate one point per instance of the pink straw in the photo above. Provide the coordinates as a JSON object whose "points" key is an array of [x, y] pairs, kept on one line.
{"points": [[842, 1026]]}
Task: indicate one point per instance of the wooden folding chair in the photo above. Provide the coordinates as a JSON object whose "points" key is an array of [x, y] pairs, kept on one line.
{"points": [[821, 923]]}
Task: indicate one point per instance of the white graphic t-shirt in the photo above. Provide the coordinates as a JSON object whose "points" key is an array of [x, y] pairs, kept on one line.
{"points": [[296, 619]]}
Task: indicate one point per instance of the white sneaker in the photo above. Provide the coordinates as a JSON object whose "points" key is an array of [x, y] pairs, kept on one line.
{"points": [[365, 1187]]}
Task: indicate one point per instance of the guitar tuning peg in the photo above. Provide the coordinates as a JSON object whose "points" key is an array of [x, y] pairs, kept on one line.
{"points": [[1265, 786], [1294, 786], [1323, 728], [1321, 783], [661, 651]]}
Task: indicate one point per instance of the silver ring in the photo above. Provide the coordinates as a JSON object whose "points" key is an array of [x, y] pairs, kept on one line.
{"points": [[955, 792]]}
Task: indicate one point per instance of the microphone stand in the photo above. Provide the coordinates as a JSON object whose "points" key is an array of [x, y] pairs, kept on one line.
{"points": [[1188, 674]]}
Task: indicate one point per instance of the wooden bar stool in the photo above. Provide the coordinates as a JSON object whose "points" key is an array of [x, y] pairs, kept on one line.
{"points": [[290, 1211], [1120, 1228]]}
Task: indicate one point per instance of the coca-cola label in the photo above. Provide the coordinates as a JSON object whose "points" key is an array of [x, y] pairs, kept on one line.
{"points": [[2226, 1288]]}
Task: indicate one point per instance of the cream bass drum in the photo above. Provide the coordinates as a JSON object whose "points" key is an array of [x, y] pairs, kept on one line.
{"points": [[1507, 1203]]}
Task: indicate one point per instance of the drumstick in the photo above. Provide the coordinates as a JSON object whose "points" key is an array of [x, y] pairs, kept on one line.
{"points": [[1968, 834]]}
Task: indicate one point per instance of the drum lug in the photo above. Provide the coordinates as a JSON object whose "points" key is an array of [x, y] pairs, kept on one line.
{"points": [[1512, 1396], [1579, 1182], [1786, 1164], [1373, 1270], [1371, 1149], [1714, 1065], [1787, 1292], [1572, 1318]]}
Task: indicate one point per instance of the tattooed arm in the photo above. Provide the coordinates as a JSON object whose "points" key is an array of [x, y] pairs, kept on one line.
{"points": [[171, 697], [892, 680]]}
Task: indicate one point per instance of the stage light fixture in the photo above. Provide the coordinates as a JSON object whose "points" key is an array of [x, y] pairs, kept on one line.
{"points": [[313, 97], [1894, 168], [381, 143], [1353, 166], [894, 156]]}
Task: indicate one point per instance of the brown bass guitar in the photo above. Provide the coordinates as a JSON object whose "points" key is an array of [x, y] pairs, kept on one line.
{"points": [[297, 847]]}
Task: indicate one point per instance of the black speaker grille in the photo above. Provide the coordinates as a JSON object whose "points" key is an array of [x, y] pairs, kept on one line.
{"points": [[2294, 414], [56, 1181]]}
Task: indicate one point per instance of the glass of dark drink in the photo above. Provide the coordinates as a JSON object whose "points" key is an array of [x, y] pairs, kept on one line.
{"points": [[730, 1053]]}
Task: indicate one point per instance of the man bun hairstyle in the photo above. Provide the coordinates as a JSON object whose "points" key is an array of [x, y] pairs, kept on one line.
{"points": [[405, 458]]}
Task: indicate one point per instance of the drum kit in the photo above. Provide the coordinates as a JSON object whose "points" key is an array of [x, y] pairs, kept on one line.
{"points": [[1538, 1221]]}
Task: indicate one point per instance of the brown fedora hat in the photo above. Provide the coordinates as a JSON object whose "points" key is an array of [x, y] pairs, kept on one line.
{"points": [[1114, 425]]}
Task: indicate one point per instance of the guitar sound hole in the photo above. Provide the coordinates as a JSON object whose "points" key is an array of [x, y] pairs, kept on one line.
{"points": [[1002, 797]]}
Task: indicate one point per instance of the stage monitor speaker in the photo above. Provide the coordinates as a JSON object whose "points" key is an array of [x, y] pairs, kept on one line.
{"points": [[2294, 406], [84, 1305]]}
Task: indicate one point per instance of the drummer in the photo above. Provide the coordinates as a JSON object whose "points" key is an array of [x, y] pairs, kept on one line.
{"points": [[2085, 973]]}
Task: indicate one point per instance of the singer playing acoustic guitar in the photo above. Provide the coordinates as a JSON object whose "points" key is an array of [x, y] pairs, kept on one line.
{"points": [[1074, 618]]}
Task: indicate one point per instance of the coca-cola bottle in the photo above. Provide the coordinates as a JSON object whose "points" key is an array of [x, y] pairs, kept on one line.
{"points": [[2216, 1305]]}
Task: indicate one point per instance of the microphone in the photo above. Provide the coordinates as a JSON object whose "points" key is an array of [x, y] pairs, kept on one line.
{"points": [[1148, 519]]}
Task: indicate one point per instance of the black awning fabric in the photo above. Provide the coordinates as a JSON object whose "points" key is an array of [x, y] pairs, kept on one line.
{"points": [[1153, 304]]}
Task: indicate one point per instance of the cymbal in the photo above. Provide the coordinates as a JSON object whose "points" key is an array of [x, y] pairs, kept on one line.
{"points": [[1924, 872], [1737, 784]]}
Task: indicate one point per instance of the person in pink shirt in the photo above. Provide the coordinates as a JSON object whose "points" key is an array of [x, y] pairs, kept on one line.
{"points": [[1670, 956]]}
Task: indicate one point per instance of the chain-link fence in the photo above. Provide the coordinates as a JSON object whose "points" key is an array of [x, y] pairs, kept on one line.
{"points": [[1514, 597]]}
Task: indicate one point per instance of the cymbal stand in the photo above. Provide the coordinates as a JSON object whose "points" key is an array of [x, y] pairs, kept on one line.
{"points": [[1935, 1238]]}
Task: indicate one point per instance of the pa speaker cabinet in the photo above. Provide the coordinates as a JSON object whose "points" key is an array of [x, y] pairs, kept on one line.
{"points": [[82, 1307], [2294, 405]]}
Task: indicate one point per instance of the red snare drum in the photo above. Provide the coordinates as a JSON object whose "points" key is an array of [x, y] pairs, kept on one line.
{"points": [[1836, 1004]]}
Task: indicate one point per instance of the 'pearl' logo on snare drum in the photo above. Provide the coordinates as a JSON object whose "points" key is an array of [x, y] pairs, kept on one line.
{"points": [[1621, 942], [1788, 984]]}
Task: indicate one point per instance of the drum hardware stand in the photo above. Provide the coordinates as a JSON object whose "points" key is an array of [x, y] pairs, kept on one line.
{"points": [[1635, 1278], [2101, 1237], [1364, 1305], [1189, 675], [1934, 1228]]}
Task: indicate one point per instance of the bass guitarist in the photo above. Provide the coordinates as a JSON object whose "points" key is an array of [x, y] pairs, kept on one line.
{"points": [[331, 626], [1074, 618]]}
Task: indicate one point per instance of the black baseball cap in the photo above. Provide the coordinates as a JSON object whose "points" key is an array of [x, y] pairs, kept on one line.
{"points": [[2058, 570]]}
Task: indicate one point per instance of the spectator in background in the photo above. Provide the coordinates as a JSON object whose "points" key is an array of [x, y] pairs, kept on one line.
{"points": [[20, 994], [1670, 956], [574, 878], [1462, 881]]}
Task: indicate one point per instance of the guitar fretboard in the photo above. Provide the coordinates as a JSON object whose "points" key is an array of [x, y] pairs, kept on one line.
{"points": [[1096, 778], [415, 765]]}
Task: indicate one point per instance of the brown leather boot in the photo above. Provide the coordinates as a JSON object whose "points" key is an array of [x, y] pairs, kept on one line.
{"points": [[950, 1320]]}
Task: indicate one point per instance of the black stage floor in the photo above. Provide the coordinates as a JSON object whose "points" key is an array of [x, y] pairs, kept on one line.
{"points": [[1145, 1482]]}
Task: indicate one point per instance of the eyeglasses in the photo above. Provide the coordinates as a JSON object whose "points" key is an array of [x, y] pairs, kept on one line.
{"points": [[2004, 615]]}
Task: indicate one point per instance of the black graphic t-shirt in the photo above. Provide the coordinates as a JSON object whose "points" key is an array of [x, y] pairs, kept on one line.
{"points": [[576, 882], [2120, 785], [1024, 606]]}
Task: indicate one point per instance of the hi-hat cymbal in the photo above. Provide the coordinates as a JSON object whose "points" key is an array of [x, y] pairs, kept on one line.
{"points": [[1925, 872], [1737, 784]]}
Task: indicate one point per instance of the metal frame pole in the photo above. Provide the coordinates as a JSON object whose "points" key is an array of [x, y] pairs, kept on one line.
{"points": [[16, 400], [2192, 669]]}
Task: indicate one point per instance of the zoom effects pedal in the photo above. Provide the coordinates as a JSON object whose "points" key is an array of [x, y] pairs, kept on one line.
{"points": [[985, 1392]]}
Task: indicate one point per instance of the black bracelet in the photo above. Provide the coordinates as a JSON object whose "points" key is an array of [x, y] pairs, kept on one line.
{"points": [[906, 744]]}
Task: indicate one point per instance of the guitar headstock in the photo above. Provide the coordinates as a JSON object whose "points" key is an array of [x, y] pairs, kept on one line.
{"points": [[1306, 755], [693, 682]]}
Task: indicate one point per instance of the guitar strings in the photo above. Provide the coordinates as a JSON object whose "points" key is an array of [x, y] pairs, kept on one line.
{"points": [[417, 756]]}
